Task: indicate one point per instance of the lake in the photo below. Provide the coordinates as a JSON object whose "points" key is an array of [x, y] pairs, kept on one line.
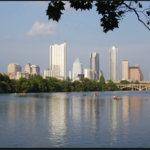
{"points": [[74, 120]]}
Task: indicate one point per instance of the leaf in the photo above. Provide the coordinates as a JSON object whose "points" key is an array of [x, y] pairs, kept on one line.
{"points": [[140, 6]]}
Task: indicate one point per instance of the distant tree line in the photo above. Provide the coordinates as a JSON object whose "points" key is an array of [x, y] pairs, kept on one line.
{"points": [[51, 84], [127, 82]]}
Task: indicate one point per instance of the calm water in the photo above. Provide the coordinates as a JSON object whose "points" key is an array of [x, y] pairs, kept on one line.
{"points": [[73, 120]]}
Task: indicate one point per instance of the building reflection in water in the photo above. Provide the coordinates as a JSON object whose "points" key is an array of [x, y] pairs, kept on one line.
{"points": [[125, 117], [113, 119], [135, 107], [125, 109], [76, 112], [13, 112], [57, 120], [18, 110]]}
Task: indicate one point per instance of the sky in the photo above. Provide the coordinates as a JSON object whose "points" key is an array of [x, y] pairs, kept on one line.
{"points": [[26, 35]]}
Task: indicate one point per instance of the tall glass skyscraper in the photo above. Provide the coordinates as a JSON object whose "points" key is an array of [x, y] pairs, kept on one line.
{"points": [[77, 68], [94, 63], [58, 60], [113, 63]]}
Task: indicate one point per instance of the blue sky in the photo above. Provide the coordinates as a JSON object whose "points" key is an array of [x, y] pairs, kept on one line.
{"points": [[26, 34]]}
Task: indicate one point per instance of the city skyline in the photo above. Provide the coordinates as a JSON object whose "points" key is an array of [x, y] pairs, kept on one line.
{"points": [[27, 39]]}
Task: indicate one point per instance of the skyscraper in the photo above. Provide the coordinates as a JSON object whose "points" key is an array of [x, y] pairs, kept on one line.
{"points": [[14, 68], [135, 73], [28, 68], [58, 60], [113, 63], [125, 70], [94, 64], [77, 68]]}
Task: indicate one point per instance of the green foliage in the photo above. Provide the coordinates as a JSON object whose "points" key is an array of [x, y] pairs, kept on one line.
{"points": [[124, 82], [136, 82], [112, 86], [51, 84], [103, 84], [111, 11], [1, 77]]}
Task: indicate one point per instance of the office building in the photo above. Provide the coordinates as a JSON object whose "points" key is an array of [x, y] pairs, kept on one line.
{"points": [[13, 68], [87, 73], [35, 69], [58, 60], [125, 70], [94, 65], [113, 63], [135, 73], [22, 75], [100, 73], [77, 68], [70, 75], [28, 68]]}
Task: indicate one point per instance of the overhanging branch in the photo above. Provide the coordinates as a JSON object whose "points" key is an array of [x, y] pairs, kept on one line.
{"points": [[137, 15]]}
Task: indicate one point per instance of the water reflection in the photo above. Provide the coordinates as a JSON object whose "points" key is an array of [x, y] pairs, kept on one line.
{"points": [[125, 109], [57, 120], [61, 120], [114, 119], [135, 107]]}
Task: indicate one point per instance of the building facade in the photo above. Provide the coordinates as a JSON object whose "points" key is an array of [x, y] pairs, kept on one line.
{"points": [[58, 60], [135, 73], [113, 63], [100, 73], [87, 73], [77, 68], [35, 69], [28, 68], [70, 75], [22, 75], [94, 64], [14, 68], [125, 70]]}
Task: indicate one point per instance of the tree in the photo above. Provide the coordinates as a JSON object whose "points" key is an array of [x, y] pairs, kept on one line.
{"points": [[111, 11], [136, 82], [124, 82], [102, 83], [112, 86]]}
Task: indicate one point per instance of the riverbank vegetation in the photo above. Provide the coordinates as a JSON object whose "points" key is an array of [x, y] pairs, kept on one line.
{"points": [[51, 84]]}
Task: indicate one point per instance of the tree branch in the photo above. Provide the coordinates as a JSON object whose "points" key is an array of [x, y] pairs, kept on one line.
{"points": [[137, 15]]}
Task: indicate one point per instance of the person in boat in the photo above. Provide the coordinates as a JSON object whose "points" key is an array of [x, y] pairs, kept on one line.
{"points": [[118, 97], [114, 96]]}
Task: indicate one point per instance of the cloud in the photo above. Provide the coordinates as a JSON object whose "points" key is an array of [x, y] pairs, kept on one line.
{"points": [[42, 28], [6, 37]]}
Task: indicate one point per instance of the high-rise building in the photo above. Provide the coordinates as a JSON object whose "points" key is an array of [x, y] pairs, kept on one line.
{"points": [[100, 73], [13, 69], [70, 75], [135, 73], [35, 69], [125, 70], [77, 68], [58, 60], [28, 68], [113, 63], [94, 64], [87, 73]]}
